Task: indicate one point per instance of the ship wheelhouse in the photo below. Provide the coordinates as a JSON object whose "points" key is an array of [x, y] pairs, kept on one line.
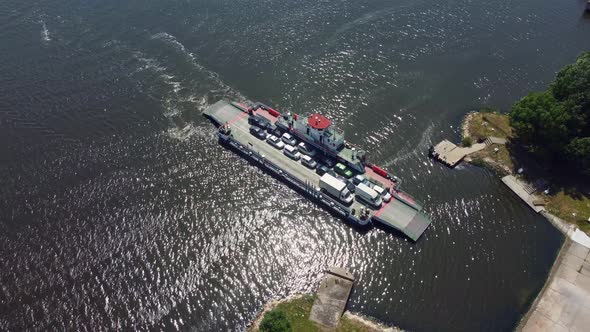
{"points": [[320, 132], [317, 128]]}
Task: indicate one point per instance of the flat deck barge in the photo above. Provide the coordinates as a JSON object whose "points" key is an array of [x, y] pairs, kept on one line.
{"points": [[402, 212]]}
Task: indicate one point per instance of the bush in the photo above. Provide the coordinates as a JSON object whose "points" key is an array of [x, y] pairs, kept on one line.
{"points": [[467, 141], [275, 321]]}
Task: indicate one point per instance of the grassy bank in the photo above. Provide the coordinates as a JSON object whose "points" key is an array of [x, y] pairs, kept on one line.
{"points": [[297, 310], [488, 123], [568, 199]]}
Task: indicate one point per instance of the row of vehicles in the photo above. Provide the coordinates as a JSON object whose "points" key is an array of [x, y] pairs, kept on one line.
{"points": [[264, 130], [337, 180]]}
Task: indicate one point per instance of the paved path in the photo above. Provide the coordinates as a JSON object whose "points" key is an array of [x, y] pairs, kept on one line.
{"points": [[564, 304], [518, 187]]}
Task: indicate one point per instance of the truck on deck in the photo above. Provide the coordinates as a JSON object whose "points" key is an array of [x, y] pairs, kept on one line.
{"points": [[335, 188]]}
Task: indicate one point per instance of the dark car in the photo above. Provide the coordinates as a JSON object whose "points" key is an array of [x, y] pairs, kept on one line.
{"points": [[350, 186], [271, 129], [256, 131], [322, 169], [258, 121], [326, 161]]}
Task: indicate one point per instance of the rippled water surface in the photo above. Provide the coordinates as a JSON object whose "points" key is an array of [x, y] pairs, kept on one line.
{"points": [[119, 210]]}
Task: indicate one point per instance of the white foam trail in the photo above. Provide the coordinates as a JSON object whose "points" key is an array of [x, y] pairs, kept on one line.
{"points": [[177, 94], [422, 146], [214, 77], [45, 36], [148, 63]]}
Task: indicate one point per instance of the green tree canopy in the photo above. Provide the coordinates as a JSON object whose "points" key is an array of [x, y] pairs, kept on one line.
{"points": [[275, 321], [555, 124], [541, 122], [572, 85], [578, 150]]}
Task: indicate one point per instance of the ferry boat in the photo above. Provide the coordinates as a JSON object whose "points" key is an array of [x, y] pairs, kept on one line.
{"points": [[352, 187]]}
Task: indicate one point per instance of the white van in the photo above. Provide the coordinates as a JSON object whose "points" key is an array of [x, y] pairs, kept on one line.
{"points": [[384, 193], [367, 194], [291, 152]]}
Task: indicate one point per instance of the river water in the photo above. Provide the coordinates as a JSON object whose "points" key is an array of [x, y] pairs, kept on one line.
{"points": [[119, 210]]}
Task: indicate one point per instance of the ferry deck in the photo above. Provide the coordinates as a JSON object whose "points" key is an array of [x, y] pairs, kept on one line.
{"points": [[401, 213]]}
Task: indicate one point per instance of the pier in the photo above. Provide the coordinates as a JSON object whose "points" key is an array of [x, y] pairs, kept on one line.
{"points": [[332, 296], [402, 213], [450, 154]]}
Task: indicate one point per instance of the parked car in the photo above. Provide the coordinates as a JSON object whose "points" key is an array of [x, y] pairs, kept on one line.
{"points": [[256, 131], [275, 141], [291, 152], [258, 121], [343, 170], [358, 179], [306, 149], [384, 193], [289, 139], [350, 185], [309, 162], [326, 161], [322, 169], [271, 128]]}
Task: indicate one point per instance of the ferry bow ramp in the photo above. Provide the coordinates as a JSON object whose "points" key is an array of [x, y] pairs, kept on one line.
{"points": [[311, 155]]}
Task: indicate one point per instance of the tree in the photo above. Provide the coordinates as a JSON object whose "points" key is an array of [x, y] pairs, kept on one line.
{"points": [[541, 123], [275, 321], [578, 152], [555, 123], [572, 87]]}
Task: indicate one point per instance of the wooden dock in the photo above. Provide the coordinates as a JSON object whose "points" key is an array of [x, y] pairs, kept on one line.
{"points": [[450, 154], [332, 296]]}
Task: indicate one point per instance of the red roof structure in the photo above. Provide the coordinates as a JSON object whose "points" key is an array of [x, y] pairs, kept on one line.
{"points": [[318, 121]]}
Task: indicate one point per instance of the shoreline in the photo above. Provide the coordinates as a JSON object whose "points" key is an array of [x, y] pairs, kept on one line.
{"points": [[370, 324], [561, 291], [268, 306]]}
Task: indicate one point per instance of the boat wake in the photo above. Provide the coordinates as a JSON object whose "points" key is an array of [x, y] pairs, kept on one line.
{"points": [[213, 77], [185, 91], [45, 36], [417, 151]]}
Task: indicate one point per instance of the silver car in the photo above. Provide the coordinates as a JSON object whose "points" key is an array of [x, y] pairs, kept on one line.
{"points": [[289, 139], [309, 162], [275, 141]]}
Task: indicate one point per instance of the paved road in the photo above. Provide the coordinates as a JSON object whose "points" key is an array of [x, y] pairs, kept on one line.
{"points": [[564, 305]]}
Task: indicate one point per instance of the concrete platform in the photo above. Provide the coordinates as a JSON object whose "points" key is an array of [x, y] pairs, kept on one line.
{"points": [[450, 154], [564, 304], [518, 187], [332, 296]]}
